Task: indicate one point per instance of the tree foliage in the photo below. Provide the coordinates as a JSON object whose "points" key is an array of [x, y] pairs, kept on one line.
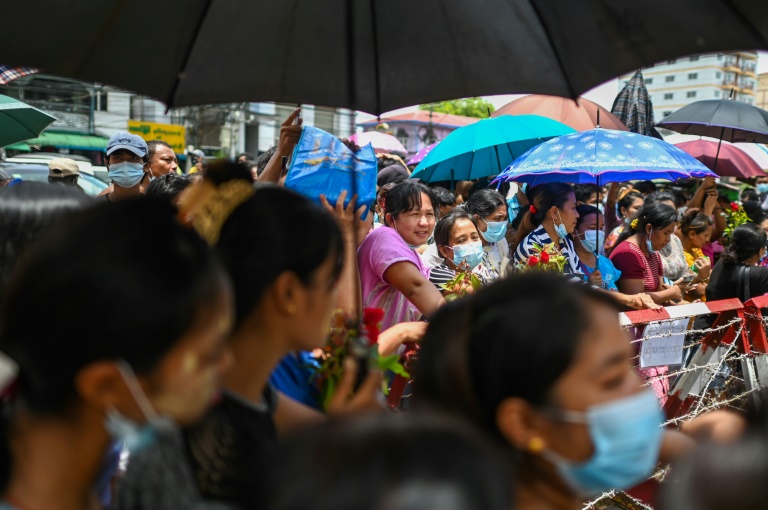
{"points": [[468, 107]]}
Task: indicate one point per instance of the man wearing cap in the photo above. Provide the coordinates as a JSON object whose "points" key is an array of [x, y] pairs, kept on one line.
{"points": [[63, 171], [126, 160], [198, 157]]}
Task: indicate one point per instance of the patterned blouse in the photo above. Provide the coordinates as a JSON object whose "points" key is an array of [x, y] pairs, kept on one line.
{"points": [[540, 237]]}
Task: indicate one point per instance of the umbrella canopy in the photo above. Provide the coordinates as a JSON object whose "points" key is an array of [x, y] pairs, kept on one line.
{"points": [[731, 161], [375, 55], [602, 156], [19, 121], [756, 151], [633, 106], [382, 142], [422, 154], [724, 119], [581, 114], [486, 147]]}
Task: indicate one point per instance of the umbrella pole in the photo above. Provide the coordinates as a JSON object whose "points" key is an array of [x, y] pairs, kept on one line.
{"points": [[597, 219], [717, 154], [453, 182]]}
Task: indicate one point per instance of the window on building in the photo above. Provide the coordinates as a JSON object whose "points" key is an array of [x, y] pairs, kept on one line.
{"points": [[402, 135], [671, 61], [719, 56], [668, 96], [718, 75], [667, 114], [102, 103], [717, 93], [648, 81], [694, 58], [691, 94], [693, 76], [669, 78]]}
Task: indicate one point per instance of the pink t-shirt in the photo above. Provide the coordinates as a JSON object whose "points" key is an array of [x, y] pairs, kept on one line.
{"points": [[382, 248]]}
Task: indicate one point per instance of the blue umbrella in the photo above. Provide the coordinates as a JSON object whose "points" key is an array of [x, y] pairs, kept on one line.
{"points": [[486, 147], [601, 156]]}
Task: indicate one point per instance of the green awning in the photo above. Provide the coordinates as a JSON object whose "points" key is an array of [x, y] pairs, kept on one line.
{"points": [[69, 141], [21, 147]]}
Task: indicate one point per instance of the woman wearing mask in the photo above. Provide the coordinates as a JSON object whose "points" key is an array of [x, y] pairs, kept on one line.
{"points": [[696, 229], [489, 210], [672, 255], [588, 242], [459, 243], [735, 275], [392, 274], [79, 389], [629, 204], [582, 426], [284, 300]]}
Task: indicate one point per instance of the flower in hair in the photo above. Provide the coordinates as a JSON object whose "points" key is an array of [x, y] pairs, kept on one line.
{"points": [[532, 209], [634, 223]]}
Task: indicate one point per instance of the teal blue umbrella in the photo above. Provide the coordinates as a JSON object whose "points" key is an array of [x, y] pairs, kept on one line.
{"points": [[19, 121], [486, 147]]}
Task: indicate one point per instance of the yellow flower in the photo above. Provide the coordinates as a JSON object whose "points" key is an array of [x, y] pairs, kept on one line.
{"points": [[634, 223]]}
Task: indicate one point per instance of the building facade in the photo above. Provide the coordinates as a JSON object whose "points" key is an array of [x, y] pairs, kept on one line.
{"points": [[761, 100], [679, 82]]}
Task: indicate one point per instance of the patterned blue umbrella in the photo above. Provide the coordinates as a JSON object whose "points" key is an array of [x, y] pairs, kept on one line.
{"points": [[601, 156]]}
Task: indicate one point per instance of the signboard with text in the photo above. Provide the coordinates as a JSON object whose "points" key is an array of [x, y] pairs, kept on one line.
{"points": [[663, 343], [172, 134]]}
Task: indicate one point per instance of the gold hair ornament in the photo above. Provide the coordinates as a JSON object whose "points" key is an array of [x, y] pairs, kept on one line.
{"points": [[634, 224], [206, 206]]}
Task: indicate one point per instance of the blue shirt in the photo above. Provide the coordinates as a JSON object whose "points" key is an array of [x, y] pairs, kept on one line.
{"points": [[608, 271], [294, 377]]}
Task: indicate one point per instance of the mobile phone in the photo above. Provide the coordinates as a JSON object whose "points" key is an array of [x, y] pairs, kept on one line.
{"points": [[688, 278], [361, 352]]}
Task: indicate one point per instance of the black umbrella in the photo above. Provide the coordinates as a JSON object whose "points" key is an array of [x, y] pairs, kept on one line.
{"points": [[371, 55], [633, 106], [726, 119]]}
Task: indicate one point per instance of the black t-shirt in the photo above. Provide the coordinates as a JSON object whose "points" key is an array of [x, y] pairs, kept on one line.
{"points": [[727, 281]]}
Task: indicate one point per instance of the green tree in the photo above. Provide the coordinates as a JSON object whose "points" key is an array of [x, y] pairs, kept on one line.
{"points": [[468, 107]]}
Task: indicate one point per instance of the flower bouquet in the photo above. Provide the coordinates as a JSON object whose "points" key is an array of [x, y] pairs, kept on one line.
{"points": [[543, 258], [460, 284], [734, 217], [347, 338]]}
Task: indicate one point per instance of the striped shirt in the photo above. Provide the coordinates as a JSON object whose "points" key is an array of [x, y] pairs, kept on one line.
{"points": [[540, 237]]}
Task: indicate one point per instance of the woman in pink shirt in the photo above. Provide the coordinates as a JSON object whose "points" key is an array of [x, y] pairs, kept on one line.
{"points": [[392, 275]]}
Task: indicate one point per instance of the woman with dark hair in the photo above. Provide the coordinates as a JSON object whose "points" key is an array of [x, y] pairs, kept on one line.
{"points": [[168, 187], [284, 300], [392, 275], [134, 371], [29, 210], [588, 242], [574, 416], [458, 241], [673, 254], [489, 210], [636, 254], [403, 462], [696, 228], [735, 275], [629, 204], [551, 217]]}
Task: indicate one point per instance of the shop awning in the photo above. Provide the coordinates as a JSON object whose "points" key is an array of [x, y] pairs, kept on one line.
{"points": [[21, 147], [69, 141]]}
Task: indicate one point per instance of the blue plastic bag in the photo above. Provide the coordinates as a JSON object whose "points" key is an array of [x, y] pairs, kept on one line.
{"points": [[322, 165]]}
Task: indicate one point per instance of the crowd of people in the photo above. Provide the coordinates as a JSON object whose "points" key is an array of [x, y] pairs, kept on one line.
{"points": [[157, 343]]}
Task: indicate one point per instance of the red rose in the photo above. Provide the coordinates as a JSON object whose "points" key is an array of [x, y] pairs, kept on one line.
{"points": [[533, 260], [373, 334], [544, 257], [734, 206], [373, 316]]}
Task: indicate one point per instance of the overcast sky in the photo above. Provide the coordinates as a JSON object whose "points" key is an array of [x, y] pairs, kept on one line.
{"points": [[602, 95]]}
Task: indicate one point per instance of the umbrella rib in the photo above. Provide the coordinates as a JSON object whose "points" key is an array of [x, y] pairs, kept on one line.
{"points": [[188, 54], [571, 91]]}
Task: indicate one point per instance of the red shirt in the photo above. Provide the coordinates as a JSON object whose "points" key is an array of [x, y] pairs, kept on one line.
{"points": [[634, 265]]}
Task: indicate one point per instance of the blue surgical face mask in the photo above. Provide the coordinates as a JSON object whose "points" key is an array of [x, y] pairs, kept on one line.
{"points": [[495, 231], [560, 229], [470, 254], [136, 436], [126, 174], [594, 241], [762, 187], [626, 435], [648, 243]]}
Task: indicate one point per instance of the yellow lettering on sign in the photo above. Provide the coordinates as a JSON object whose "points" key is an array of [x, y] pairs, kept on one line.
{"points": [[173, 135]]}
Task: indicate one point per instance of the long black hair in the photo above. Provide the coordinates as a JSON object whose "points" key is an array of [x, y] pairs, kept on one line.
{"points": [[274, 231], [627, 200], [406, 196], [473, 343], [89, 292], [542, 198], [656, 214], [484, 202], [444, 227], [746, 241], [693, 220], [27, 211]]}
